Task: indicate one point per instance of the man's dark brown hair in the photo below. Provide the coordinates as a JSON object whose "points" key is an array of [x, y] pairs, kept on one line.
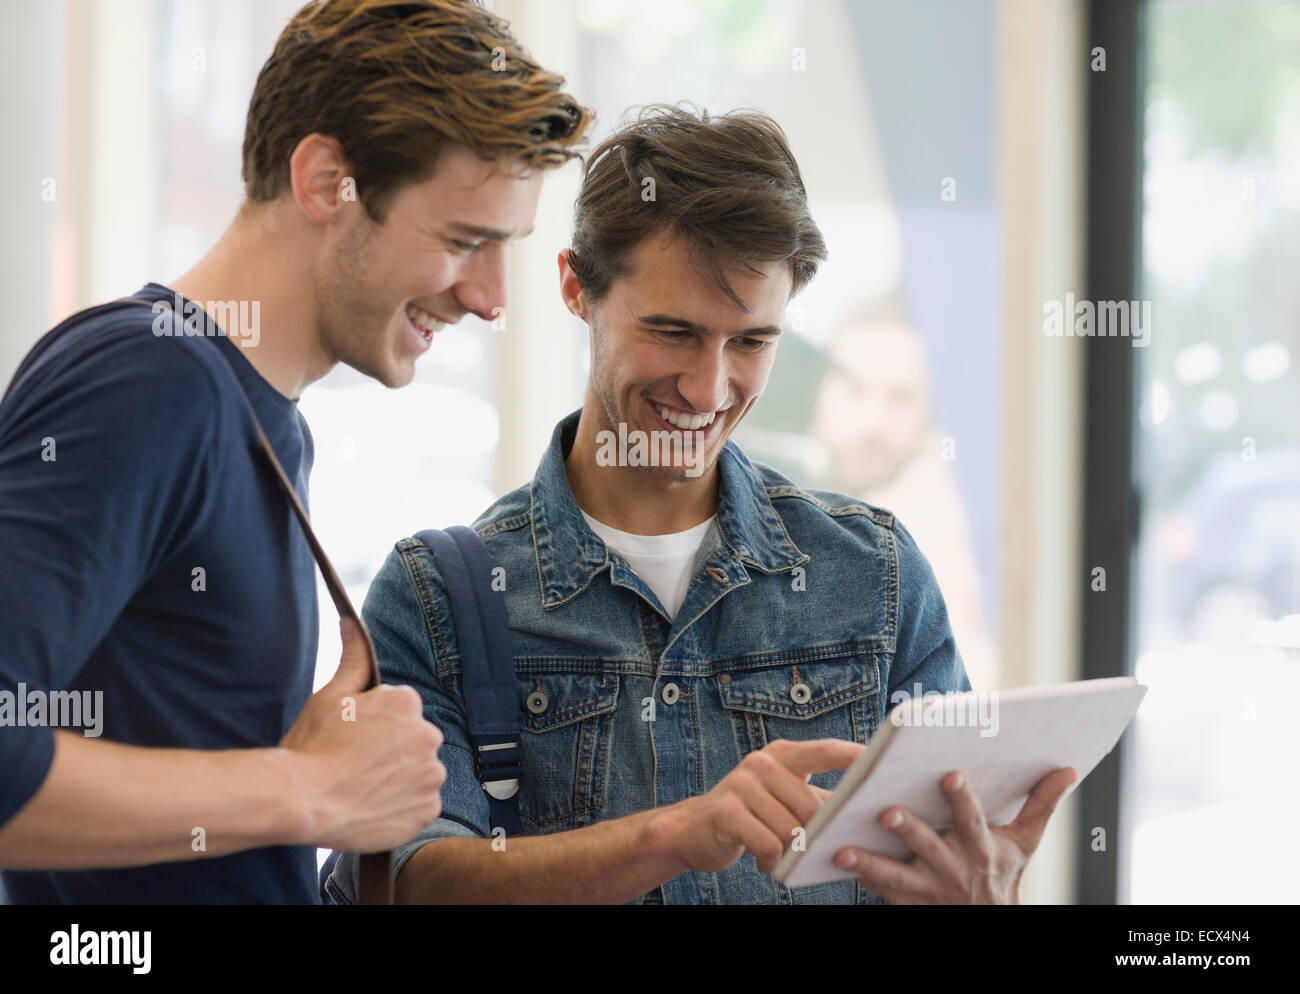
{"points": [[397, 82], [727, 184]]}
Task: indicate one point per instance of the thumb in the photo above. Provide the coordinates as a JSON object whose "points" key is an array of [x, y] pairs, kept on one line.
{"points": [[353, 674], [1030, 824]]}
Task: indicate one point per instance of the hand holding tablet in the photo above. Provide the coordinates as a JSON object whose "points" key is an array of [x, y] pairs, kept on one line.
{"points": [[1020, 751]]}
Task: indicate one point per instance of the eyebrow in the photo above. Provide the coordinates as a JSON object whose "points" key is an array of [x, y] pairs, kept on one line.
{"points": [[669, 320], [477, 231]]}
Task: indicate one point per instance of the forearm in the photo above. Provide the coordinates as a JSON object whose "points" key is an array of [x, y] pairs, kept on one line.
{"points": [[611, 862], [104, 804]]}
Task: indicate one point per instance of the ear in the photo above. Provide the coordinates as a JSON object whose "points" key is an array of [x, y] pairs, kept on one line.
{"points": [[570, 289], [318, 174]]}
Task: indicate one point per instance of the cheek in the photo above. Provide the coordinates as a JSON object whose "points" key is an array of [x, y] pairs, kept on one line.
{"points": [[752, 376], [404, 273], [436, 271], [434, 276], [626, 365]]}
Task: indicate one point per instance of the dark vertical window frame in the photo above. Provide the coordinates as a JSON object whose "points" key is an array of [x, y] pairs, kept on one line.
{"points": [[1110, 507]]}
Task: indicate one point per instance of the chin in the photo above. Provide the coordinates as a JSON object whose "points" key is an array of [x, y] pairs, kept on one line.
{"points": [[679, 474], [399, 376], [667, 475], [392, 372]]}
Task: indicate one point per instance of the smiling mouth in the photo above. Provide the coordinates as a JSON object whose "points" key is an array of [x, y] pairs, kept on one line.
{"points": [[702, 426], [687, 422], [425, 322]]}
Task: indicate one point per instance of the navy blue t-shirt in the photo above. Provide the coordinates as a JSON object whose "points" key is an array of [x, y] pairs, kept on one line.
{"points": [[149, 553]]}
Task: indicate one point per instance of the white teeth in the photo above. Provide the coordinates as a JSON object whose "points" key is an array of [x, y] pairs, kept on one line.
{"points": [[423, 319], [690, 422]]}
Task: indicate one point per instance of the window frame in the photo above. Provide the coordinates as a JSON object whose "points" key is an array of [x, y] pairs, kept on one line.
{"points": [[1110, 523]]}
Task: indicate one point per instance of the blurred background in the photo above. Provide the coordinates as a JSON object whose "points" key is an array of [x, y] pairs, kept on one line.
{"points": [[969, 161]]}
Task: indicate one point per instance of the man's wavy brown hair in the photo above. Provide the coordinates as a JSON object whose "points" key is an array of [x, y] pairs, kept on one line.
{"points": [[396, 82], [727, 185]]}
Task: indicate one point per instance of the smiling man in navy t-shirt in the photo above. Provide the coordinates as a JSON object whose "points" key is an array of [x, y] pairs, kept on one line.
{"points": [[153, 574]]}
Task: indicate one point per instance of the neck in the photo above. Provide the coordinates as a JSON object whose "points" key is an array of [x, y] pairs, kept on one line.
{"points": [[631, 498], [261, 258]]}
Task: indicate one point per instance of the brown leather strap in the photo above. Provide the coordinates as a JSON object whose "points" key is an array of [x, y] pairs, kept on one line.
{"points": [[375, 880]]}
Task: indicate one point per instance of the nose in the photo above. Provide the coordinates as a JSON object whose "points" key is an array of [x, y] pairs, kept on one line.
{"points": [[705, 385], [482, 289]]}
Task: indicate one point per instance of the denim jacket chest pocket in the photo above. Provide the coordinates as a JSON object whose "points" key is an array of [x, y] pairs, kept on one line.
{"points": [[566, 720], [834, 697]]}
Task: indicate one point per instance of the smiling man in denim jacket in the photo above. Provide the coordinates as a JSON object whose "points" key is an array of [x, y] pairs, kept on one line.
{"points": [[700, 644]]}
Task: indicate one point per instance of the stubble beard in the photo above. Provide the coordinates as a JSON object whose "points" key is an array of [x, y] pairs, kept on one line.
{"points": [[354, 321]]}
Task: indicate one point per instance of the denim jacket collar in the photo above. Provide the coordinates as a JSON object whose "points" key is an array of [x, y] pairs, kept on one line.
{"points": [[569, 553]]}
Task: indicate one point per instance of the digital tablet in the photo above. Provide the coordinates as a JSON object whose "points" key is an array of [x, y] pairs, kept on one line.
{"points": [[1005, 741]]}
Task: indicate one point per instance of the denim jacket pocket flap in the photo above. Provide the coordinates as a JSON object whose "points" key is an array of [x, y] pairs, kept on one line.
{"points": [[802, 690], [549, 700]]}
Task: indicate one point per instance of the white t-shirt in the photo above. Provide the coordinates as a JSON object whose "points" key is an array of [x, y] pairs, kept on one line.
{"points": [[663, 561]]}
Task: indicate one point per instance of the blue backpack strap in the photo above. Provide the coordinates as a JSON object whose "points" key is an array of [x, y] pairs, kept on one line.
{"points": [[487, 669]]}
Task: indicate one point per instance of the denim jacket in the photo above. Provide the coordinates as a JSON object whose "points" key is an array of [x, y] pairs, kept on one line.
{"points": [[805, 612]]}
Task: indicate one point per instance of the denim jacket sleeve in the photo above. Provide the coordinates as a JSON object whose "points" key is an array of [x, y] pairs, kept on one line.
{"points": [[925, 652], [409, 617]]}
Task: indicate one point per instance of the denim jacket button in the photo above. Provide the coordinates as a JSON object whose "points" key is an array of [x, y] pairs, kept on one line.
{"points": [[537, 702], [801, 693], [717, 574], [670, 693]]}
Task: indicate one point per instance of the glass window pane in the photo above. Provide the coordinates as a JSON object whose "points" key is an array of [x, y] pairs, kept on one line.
{"points": [[1217, 613]]}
